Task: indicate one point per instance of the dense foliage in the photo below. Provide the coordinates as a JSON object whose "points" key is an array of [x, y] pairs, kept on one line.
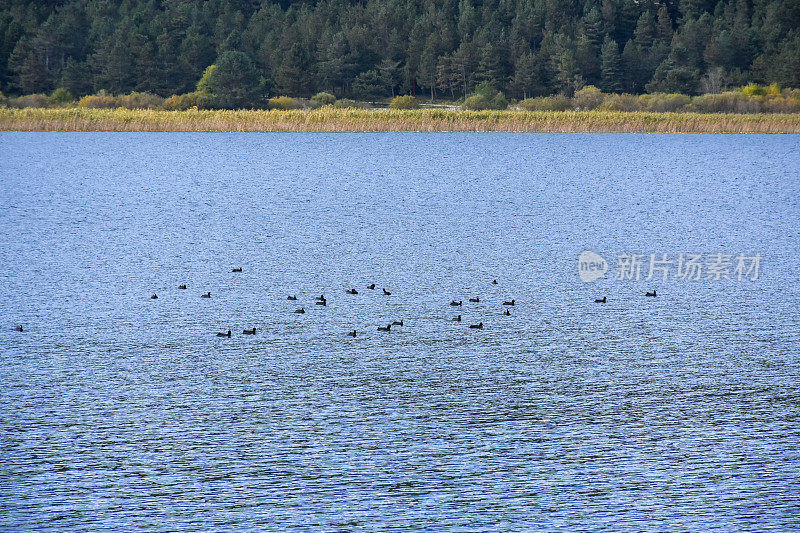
{"points": [[379, 48]]}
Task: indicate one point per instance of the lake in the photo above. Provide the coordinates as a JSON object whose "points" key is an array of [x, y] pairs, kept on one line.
{"points": [[674, 413]]}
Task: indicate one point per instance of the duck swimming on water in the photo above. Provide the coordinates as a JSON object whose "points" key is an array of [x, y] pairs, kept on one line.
{"points": [[182, 287], [600, 300], [371, 286], [206, 295], [386, 293], [351, 333], [511, 303], [455, 303], [476, 299], [457, 319], [18, 328], [398, 323], [653, 294], [300, 311], [351, 291], [249, 331], [238, 269], [387, 328], [224, 334], [476, 326], [154, 296], [291, 297]]}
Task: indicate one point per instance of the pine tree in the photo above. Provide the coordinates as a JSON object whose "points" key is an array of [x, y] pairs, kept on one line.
{"points": [[610, 67]]}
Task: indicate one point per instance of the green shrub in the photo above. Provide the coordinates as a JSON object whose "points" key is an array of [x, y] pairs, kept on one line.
{"points": [[30, 100], [547, 103], [664, 103], [404, 102], [101, 100], [477, 102], [182, 102], [322, 99], [136, 100], [3, 100], [590, 97], [499, 102], [620, 102], [61, 96], [345, 103], [782, 105], [283, 103]]}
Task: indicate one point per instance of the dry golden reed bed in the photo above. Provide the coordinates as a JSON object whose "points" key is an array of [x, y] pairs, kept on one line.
{"points": [[364, 120]]}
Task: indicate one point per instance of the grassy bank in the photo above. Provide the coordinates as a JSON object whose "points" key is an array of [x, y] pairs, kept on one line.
{"points": [[365, 120]]}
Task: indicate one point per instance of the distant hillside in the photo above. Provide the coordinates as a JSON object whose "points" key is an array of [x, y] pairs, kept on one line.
{"points": [[377, 48]]}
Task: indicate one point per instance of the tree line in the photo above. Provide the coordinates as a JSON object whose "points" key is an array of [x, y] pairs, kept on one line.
{"points": [[369, 49]]}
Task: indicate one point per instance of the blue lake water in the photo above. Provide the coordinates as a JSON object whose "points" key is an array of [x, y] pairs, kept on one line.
{"points": [[674, 413]]}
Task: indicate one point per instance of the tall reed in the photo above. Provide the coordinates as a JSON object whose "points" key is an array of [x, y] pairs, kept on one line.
{"points": [[364, 120]]}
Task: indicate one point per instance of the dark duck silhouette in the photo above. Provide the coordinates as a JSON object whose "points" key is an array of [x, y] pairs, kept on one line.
{"points": [[494, 282], [455, 303], [224, 334], [301, 310], [457, 319], [322, 302], [18, 328], [653, 294], [206, 295], [238, 269], [182, 287], [511, 303], [398, 322], [476, 326], [321, 298], [476, 299], [291, 297], [249, 331], [507, 313], [154, 296], [352, 291], [387, 293], [371, 286], [600, 300], [351, 333], [387, 328]]}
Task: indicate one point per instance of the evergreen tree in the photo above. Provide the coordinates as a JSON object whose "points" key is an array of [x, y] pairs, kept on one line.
{"points": [[610, 67]]}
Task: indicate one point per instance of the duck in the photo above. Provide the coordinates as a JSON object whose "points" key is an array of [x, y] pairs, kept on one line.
{"points": [[653, 294], [238, 269], [387, 328], [322, 302], [457, 319], [511, 303], [301, 310], [386, 293], [507, 313], [352, 291], [321, 298], [249, 331], [494, 282], [351, 333], [291, 297], [154, 296], [371, 286], [398, 323], [182, 287], [206, 295], [18, 328], [455, 303], [476, 326], [476, 299], [600, 300], [224, 334]]}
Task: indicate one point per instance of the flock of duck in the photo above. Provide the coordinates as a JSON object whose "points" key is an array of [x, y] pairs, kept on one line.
{"points": [[323, 301]]}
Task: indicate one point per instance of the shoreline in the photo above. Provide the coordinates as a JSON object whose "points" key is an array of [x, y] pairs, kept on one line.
{"points": [[379, 120]]}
